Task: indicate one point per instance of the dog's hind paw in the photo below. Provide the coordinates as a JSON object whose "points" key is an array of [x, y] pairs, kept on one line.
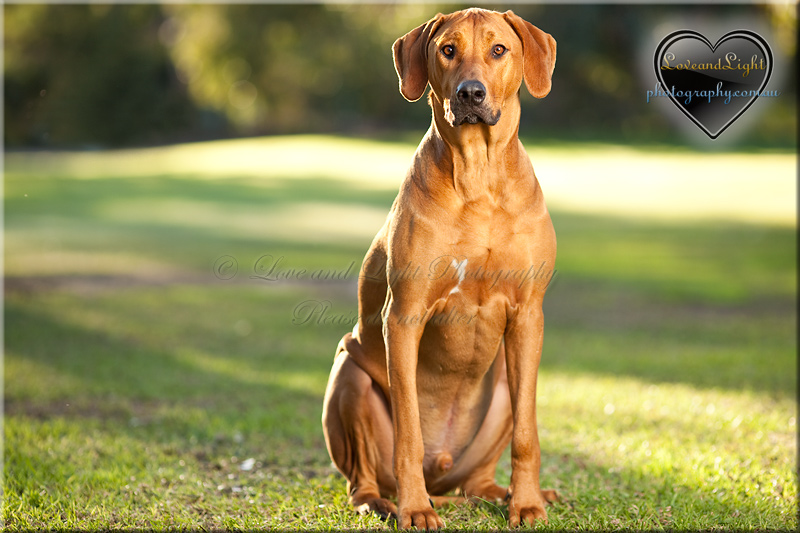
{"points": [[380, 506]]}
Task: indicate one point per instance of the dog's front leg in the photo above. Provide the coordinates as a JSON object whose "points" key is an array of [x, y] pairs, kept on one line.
{"points": [[523, 352], [402, 330]]}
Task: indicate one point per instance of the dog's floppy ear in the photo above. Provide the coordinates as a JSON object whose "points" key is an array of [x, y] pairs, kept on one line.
{"points": [[410, 54], [539, 55]]}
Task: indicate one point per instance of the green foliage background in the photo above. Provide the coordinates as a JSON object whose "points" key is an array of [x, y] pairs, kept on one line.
{"points": [[138, 385], [101, 75]]}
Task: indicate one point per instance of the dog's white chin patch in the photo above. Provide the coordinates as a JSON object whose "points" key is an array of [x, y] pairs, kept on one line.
{"points": [[449, 116]]}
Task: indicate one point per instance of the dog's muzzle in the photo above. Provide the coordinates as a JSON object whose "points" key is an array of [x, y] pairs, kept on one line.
{"points": [[470, 105]]}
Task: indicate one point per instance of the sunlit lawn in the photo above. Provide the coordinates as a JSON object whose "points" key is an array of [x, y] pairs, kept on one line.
{"points": [[151, 382]]}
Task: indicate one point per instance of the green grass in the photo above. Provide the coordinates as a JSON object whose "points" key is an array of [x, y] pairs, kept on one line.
{"points": [[142, 391]]}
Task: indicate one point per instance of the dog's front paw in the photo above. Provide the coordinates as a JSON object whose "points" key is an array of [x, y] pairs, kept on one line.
{"points": [[526, 514], [420, 517]]}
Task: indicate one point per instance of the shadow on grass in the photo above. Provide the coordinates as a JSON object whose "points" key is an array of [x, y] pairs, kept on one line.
{"points": [[204, 375], [610, 330], [83, 197], [677, 302], [189, 223], [114, 357], [209, 371]]}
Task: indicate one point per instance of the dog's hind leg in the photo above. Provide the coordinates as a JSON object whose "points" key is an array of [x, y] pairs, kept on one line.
{"points": [[358, 433]]}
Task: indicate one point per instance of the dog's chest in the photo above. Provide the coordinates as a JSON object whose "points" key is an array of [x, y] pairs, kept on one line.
{"points": [[465, 323], [486, 260]]}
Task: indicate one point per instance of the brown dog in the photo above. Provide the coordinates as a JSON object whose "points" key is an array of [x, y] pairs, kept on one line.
{"points": [[440, 371]]}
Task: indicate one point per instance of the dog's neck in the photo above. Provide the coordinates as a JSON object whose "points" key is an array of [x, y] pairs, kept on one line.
{"points": [[477, 153]]}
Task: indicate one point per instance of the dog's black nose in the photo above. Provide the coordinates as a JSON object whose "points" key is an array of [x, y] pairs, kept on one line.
{"points": [[471, 92]]}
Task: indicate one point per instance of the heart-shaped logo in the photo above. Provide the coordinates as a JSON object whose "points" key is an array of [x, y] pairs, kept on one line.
{"points": [[713, 84]]}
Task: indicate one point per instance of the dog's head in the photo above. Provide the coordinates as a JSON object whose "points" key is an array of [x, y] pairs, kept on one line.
{"points": [[474, 61]]}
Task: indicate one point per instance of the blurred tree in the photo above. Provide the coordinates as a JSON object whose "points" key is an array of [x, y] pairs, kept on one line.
{"points": [[121, 74], [77, 74], [284, 68]]}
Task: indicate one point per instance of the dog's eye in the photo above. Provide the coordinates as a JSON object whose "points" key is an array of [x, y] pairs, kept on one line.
{"points": [[499, 50], [448, 50]]}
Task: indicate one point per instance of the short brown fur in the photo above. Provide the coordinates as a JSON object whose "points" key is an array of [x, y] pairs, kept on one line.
{"points": [[440, 372]]}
